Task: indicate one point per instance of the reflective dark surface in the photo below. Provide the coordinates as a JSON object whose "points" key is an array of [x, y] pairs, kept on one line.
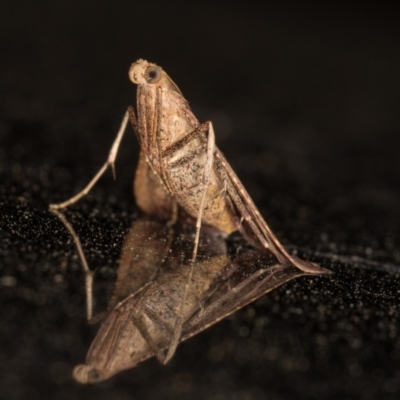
{"points": [[305, 102], [162, 297]]}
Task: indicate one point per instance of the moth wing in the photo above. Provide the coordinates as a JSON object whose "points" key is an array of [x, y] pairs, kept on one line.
{"points": [[251, 223], [251, 279]]}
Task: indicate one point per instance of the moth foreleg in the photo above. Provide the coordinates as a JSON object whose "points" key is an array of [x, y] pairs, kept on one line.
{"points": [[110, 162]]}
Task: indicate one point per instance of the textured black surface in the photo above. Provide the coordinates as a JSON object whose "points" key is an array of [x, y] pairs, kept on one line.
{"points": [[305, 102]]}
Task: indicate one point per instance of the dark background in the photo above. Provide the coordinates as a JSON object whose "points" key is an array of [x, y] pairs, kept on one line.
{"points": [[305, 102]]}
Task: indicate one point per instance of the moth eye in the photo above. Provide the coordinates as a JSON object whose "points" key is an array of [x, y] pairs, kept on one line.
{"points": [[152, 74], [95, 375]]}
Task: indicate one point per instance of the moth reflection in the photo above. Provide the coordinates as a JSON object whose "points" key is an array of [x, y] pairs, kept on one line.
{"points": [[152, 276]]}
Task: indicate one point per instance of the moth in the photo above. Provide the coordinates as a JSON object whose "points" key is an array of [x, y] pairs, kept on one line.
{"points": [[183, 175], [180, 167], [152, 276]]}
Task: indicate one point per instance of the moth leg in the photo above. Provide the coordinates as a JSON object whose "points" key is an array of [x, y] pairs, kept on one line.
{"points": [[174, 214], [110, 162], [142, 328], [88, 273], [175, 339], [206, 182], [157, 348]]}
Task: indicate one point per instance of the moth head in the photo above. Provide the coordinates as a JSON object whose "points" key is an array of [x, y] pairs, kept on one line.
{"points": [[143, 72], [148, 74], [86, 374]]}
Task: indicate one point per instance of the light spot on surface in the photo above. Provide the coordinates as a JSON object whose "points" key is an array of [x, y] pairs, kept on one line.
{"points": [[8, 281]]}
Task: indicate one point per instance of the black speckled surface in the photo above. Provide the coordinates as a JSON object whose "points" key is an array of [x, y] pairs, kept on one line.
{"points": [[305, 102]]}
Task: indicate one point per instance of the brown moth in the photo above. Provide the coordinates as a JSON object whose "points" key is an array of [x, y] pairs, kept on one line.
{"points": [[181, 171], [180, 166], [152, 276]]}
